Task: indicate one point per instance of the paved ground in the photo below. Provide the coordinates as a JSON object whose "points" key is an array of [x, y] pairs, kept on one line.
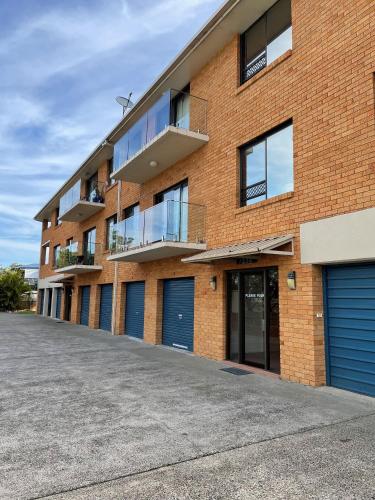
{"points": [[90, 416]]}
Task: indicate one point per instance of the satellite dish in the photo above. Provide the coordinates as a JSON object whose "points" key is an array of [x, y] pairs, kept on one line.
{"points": [[125, 102]]}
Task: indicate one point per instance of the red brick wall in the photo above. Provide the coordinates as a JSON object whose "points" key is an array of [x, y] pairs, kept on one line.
{"points": [[326, 85]]}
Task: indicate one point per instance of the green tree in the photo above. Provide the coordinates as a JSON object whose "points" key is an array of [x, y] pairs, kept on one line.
{"points": [[12, 289]]}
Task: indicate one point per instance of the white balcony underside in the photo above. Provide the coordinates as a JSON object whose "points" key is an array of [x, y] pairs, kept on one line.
{"points": [[79, 269], [82, 210], [157, 251], [167, 148]]}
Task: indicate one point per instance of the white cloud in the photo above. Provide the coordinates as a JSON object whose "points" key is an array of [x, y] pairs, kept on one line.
{"points": [[76, 34], [57, 90]]}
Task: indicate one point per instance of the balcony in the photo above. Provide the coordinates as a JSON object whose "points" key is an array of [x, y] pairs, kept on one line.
{"points": [[79, 258], [168, 229], [75, 207], [172, 129]]}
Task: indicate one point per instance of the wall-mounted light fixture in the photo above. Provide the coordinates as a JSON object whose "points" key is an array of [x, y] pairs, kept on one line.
{"points": [[213, 282], [153, 164], [291, 280]]}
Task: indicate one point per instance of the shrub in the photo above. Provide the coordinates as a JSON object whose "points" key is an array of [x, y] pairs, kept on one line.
{"points": [[12, 289]]}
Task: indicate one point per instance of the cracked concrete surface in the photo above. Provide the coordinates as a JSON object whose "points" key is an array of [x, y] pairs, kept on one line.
{"points": [[87, 415]]}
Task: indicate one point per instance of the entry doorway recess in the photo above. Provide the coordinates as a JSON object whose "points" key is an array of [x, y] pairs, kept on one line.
{"points": [[68, 302], [253, 318]]}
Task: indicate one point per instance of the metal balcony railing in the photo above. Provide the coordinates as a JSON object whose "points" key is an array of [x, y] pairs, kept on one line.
{"points": [[169, 220], [176, 108], [79, 253], [94, 194]]}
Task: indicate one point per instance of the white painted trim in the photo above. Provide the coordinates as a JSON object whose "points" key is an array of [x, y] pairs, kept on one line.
{"points": [[342, 238]]}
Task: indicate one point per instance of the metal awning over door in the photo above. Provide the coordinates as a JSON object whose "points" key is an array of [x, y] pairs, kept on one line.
{"points": [[276, 245]]}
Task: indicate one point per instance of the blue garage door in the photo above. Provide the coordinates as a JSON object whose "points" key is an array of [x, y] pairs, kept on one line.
{"points": [[105, 315], [350, 327], [178, 313], [58, 302], [85, 305], [134, 309], [41, 300]]}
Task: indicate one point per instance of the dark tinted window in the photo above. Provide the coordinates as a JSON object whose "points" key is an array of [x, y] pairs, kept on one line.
{"points": [[56, 254], [89, 245], [110, 172], [130, 211], [266, 39], [111, 222], [92, 187]]}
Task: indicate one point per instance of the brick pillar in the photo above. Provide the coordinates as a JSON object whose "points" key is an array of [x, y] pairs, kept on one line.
{"points": [[74, 317], [120, 310], [153, 311], [94, 306], [301, 332], [63, 303], [209, 314], [319, 366]]}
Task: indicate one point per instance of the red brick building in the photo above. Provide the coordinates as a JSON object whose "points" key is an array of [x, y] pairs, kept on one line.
{"points": [[231, 211]]}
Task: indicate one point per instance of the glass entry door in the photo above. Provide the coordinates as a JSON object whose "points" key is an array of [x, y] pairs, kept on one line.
{"points": [[253, 318], [253, 298]]}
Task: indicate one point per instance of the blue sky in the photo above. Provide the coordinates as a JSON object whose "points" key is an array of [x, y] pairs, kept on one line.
{"points": [[62, 62]]}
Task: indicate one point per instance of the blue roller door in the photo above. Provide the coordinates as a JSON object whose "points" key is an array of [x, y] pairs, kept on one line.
{"points": [[58, 302], [105, 314], [178, 313], [85, 305], [134, 309], [350, 327]]}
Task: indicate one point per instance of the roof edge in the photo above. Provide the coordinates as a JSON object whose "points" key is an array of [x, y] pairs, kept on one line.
{"points": [[190, 47]]}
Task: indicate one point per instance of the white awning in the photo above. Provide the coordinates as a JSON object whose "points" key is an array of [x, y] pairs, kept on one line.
{"points": [[266, 246]]}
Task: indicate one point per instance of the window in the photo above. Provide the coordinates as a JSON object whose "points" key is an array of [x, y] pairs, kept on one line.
{"points": [[92, 189], [45, 255], [110, 181], [57, 215], [266, 40], [132, 210], [178, 192], [89, 238], [181, 108], [110, 223], [133, 224], [56, 255], [173, 218], [267, 165]]}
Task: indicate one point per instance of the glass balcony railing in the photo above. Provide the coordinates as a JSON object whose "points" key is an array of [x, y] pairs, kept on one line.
{"points": [[179, 109], [79, 253], [171, 221], [94, 194]]}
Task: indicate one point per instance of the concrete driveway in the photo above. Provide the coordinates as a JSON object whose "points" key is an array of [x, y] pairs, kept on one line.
{"points": [[87, 415]]}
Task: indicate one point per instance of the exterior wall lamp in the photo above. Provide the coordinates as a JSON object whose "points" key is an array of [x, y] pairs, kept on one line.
{"points": [[213, 282], [291, 280]]}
